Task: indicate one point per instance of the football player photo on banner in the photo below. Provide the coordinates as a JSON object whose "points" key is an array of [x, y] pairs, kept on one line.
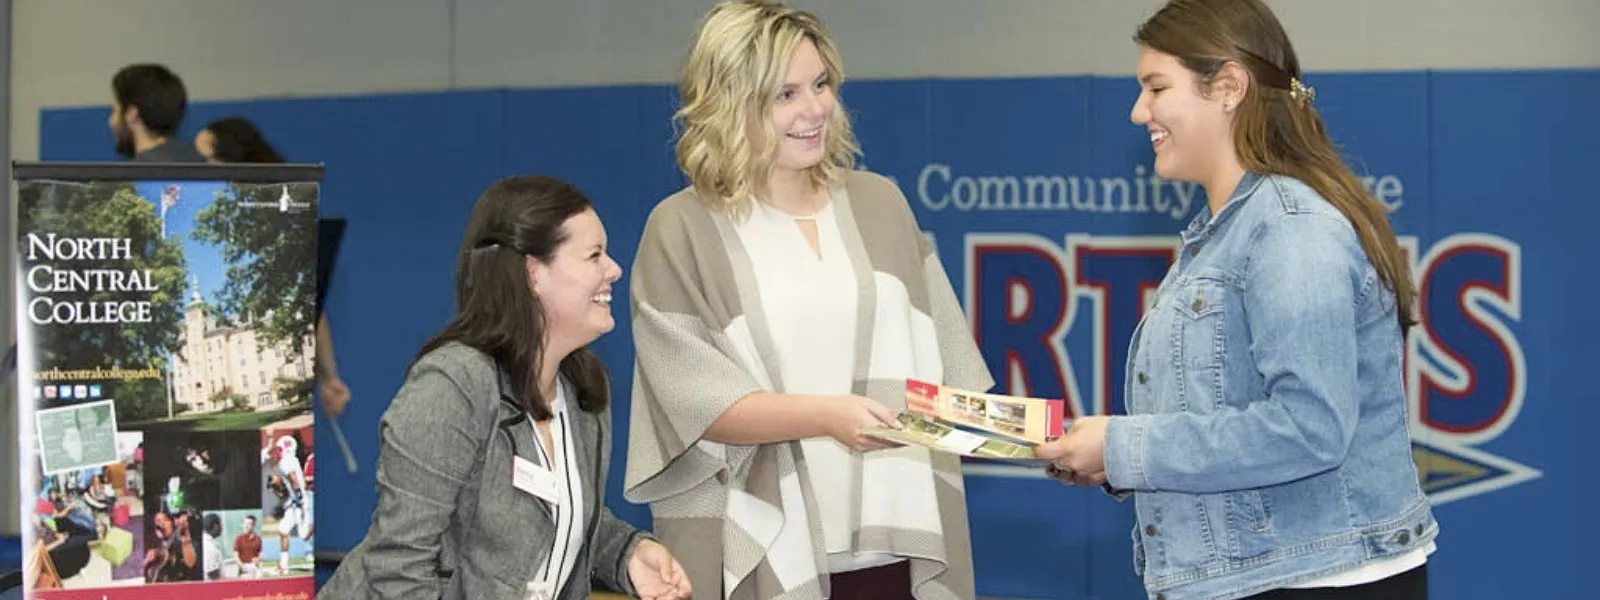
{"points": [[165, 320]]}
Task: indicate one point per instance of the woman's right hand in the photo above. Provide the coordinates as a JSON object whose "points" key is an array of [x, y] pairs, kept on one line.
{"points": [[848, 417]]}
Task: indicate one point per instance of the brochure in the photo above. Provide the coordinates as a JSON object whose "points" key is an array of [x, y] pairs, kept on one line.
{"points": [[975, 424]]}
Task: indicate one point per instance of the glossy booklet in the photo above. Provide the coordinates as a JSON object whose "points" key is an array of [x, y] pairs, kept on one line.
{"points": [[975, 424]]}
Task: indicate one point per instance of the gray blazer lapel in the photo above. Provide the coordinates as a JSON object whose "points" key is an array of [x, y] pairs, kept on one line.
{"points": [[585, 439], [515, 424]]}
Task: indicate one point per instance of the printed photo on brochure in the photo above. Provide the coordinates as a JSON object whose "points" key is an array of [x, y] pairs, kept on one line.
{"points": [[975, 424]]}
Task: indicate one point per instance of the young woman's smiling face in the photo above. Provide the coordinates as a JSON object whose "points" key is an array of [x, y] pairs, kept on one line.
{"points": [[1190, 131]]}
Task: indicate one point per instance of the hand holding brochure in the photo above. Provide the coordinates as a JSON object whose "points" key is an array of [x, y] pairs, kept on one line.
{"points": [[975, 424]]}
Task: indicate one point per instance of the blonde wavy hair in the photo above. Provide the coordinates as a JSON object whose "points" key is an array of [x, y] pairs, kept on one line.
{"points": [[726, 91]]}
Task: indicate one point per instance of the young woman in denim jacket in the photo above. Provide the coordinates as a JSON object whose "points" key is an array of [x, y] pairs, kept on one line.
{"points": [[1266, 442]]}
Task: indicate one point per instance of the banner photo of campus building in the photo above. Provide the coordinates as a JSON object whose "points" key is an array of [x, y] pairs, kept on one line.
{"points": [[165, 325]]}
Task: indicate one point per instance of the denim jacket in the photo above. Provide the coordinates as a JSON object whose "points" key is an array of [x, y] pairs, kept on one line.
{"points": [[1266, 440]]}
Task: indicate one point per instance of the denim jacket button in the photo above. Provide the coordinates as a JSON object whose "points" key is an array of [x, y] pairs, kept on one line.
{"points": [[1144, 377], [1150, 530], [1404, 538], [1198, 304], [1419, 529]]}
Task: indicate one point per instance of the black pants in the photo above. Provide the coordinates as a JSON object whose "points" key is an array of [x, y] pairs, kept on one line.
{"points": [[1410, 585], [887, 582]]}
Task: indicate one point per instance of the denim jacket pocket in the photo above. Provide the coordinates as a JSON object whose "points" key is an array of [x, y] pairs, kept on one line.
{"points": [[1201, 306], [1249, 516]]}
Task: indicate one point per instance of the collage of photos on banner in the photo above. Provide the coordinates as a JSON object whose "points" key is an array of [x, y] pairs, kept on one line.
{"points": [[166, 340]]}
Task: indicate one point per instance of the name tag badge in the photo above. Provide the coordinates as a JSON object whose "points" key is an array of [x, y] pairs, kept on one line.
{"points": [[540, 591], [534, 479]]}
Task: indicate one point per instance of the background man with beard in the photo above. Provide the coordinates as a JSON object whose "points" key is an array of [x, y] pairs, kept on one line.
{"points": [[147, 105], [148, 102]]}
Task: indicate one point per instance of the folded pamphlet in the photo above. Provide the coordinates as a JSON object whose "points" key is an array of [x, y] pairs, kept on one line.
{"points": [[975, 424]]}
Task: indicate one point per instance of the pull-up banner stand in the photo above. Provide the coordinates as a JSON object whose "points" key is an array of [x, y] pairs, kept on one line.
{"points": [[165, 321]]}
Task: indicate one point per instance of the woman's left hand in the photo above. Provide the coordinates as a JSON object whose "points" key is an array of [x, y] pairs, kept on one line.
{"points": [[1078, 456], [655, 574]]}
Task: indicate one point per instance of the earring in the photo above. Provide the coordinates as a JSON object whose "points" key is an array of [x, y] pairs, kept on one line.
{"points": [[1227, 106]]}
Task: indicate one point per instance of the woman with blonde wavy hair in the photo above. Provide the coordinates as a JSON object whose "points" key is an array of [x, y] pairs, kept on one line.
{"points": [[772, 333]]}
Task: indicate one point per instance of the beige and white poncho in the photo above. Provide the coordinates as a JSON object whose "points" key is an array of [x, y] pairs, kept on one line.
{"points": [[742, 519]]}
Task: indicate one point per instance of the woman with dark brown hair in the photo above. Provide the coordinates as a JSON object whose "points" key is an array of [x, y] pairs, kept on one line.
{"points": [[494, 454], [1266, 443], [235, 140]]}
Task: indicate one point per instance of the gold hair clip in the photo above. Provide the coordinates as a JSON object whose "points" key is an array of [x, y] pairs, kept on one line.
{"points": [[1302, 94]]}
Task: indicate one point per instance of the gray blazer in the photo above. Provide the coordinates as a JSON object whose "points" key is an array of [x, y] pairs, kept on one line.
{"points": [[449, 524]]}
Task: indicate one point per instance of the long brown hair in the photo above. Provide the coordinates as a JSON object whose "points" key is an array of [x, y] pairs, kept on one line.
{"points": [[1275, 128], [236, 140], [496, 310]]}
